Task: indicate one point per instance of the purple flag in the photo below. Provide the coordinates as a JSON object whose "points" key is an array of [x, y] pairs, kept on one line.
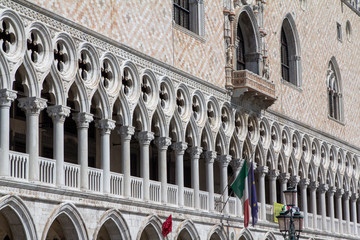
{"points": [[253, 198]]}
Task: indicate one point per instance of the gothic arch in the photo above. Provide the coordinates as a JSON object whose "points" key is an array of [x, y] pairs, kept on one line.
{"points": [[221, 143], [115, 225], [27, 74], [158, 123], [235, 146], [70, 219], [192, 129], [140, 117], [207, 135], [245, 234], [80, 96], [330, 178], [288, 27], [122, 109], [176, 130], [217, 233], [6, 81], [189, 227], [152, 226], [269, 236], [271, 159], [334, 83], [17, 214]]}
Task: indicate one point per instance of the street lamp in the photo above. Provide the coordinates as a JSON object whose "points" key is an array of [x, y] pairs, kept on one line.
{"points": [[290, 220]]}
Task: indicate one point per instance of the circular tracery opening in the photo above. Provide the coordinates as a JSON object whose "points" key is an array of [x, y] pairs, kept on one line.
{"points": [[127, 82], [7, 36], [35, 47], [85, 66], [61, 57], [107, 74]]}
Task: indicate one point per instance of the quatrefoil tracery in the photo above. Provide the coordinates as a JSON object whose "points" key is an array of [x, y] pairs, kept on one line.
{"points": [[196, 108], [180, 102], [145, 88], [106, 74], [127, 82], [7, 36], [35, 47], [163, 95], [60, 56], [84, 66]]}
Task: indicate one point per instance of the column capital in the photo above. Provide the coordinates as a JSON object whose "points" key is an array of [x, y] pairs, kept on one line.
{"points": [[32, 105], [105, 125], [179, 147], [163, 143], [126, 132], [346, 195], [235, 164], [58, 113], [294, 180], [210, 156], [82, 119], [304, 183], [313, 185], [339, 193], [323, 188], [331, 191], [6, 97], [194, 152], [273, 174], [145, 137], [224, 160], [262, 170], [284, 177], [354, 197]]}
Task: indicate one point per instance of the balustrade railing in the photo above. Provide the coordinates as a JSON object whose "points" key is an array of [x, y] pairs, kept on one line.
{"points": [[218, 202], [47, 170], [344, 227], [72, 172], [336, 221], [328, 224], [172, 194], [310, 220], [116, 183], [351, 228], [136, 185], [95, 179], [19, 165], [204, 200], [189, 197], [155, 188], [232, 205], [318, 221]]}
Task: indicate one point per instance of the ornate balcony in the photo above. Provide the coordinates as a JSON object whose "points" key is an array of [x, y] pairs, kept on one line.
{"points": [[247, 84]]}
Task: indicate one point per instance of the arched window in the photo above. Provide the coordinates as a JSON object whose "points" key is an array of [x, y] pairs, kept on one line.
{"points": [[290, 52], [334, 91], [247, 39]]}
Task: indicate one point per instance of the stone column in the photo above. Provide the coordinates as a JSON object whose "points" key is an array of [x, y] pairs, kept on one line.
{"points": [[235, 164], [322, 191], [6, 98], [262, 171], [179, 149], [338, 197], [293, 182], [32, 107], [209, 159], [347, 211], [283, 177], [144, 140], [58, 115], [125, 133], [354, 198], [224, 163], [304, 183], [195, 155], [163, 143], [272, 176], [313, 187], [82, 122], [330, 193], [106, 126]]}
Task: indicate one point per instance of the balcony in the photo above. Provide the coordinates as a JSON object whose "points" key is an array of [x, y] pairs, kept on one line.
{"points": [[248, 85]]}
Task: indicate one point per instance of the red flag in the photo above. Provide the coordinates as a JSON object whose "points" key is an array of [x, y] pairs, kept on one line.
{"points": [[167, 226], [246, 213]]}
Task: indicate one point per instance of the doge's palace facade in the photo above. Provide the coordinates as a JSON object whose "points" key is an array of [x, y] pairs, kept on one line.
{"points": [[116, 114]]}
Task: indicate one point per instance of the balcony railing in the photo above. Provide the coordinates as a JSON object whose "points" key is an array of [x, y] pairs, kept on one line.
{"points": [[19, 168]]}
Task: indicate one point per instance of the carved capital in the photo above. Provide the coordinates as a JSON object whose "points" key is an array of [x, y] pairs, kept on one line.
{"points": [[58, 113], [331, 191], [194, 152], [126, 132], [339, 193], [83, 119], [224, 160], [323, 188], [145, 137], [262, 170], [304, 183], [163, 143], [346, 195], [273, 174], [32, 105], [6, 97], [179, 147], [284, 177], [294, 180], [354, 197], [314, 185], [210, 156], [235, 164], [105, 125]]}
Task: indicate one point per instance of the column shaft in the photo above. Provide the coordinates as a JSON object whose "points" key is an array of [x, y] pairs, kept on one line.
{"points": [[210, 156], [303, 187], [4, 140], [331, 208], [195, 155], [162, 144], [353, 210], [144, 141], [262, 171], [126, 132], [339, 209], [179, 175]]}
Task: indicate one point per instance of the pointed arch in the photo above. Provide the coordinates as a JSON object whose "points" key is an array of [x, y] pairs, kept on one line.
{"points": [[217, 233], [17, 214], [292, 168], [122, 110], [234, 148], [158, 123], [141, 117], [192, 134], [330, 181], [245, 234], [321, 175], [78, 92], [271, 159], [208, 137], [100, 96], [70, 219], [338, 181], [189, 227], [302, 173], [259, 155], [176, 130], [151, 226], [115, 225], [290, 51], [269, 236], [6, 81], [281, 163], [221, 146], [311, 172], [334, 87]]}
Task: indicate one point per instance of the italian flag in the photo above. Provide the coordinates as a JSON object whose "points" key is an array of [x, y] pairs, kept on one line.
{"points": [[240, 188]]}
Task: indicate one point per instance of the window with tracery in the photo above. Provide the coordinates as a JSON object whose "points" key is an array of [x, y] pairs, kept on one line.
{"points": [[334, 93], [284, 57]]}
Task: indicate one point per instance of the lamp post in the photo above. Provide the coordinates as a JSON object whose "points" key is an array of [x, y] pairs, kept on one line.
{"points": [[290, 219]]}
